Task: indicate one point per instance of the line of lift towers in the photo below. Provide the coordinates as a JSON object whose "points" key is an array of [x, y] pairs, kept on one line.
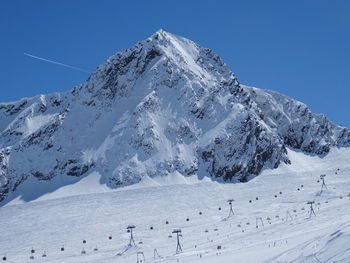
{"points": [[178, 232], [140, 255]]}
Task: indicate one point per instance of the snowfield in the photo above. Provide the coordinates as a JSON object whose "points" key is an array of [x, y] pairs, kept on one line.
{"points": [[88, 210]]}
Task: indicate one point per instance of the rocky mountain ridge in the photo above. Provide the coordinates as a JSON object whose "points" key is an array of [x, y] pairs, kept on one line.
{"points": [[164, 105]]}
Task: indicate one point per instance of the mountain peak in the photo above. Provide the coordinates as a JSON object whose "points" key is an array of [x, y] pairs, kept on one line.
{"points": [[164, 59], [164, 106], [160, 34]]}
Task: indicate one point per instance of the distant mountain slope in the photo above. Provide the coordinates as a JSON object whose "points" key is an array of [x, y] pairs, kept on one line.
{"points": [[165, 105]]}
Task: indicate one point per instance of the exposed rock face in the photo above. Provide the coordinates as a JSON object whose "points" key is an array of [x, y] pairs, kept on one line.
{"points": [[164, 105], [297, 125]]}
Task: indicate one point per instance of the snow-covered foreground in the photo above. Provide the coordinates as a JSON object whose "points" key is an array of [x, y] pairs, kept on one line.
{"points": [[60, 219]]}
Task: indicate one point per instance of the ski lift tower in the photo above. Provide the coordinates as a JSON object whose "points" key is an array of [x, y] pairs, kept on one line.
{"points": [[312, 211], [132, 241], [322, 176], [178, 246], [231, 210]]}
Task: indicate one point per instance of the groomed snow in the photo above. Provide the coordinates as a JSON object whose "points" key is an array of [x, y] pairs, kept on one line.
{"points": [[60, 217]]}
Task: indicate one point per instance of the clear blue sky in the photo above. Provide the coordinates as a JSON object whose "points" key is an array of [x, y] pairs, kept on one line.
{"points": [[298, 48]]}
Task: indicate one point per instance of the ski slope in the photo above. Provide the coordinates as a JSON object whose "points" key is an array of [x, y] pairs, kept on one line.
{"points": [[87, 210]]}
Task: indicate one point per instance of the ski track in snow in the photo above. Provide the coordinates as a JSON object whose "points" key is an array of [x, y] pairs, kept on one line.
{"points": [[61, 219]]}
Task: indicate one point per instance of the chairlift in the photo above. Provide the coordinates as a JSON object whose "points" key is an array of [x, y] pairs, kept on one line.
{"points": [[140, 257], [268, 220]]}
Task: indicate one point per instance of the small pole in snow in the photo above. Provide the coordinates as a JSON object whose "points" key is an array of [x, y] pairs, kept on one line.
{"points": [[322, 176], [288, 214], [156, 254], [257, 220], [178, 235], [231, 210], [131, 241], [312, 211]]}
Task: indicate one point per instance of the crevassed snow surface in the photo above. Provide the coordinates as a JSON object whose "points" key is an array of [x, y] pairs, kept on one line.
{"points": [[59, 218]]}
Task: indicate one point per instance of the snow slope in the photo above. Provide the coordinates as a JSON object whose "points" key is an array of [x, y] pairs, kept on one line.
{"points": [[58, 219], [162, 107]]}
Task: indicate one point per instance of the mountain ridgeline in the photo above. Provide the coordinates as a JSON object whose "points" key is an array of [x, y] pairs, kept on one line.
{"points": [[164, 105]]}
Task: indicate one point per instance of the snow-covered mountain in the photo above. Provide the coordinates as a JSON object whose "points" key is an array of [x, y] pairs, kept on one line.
{"points": [[162, 106]]}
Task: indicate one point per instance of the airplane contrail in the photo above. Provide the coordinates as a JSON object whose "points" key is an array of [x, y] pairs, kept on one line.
{"points": [[57, 63]]}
